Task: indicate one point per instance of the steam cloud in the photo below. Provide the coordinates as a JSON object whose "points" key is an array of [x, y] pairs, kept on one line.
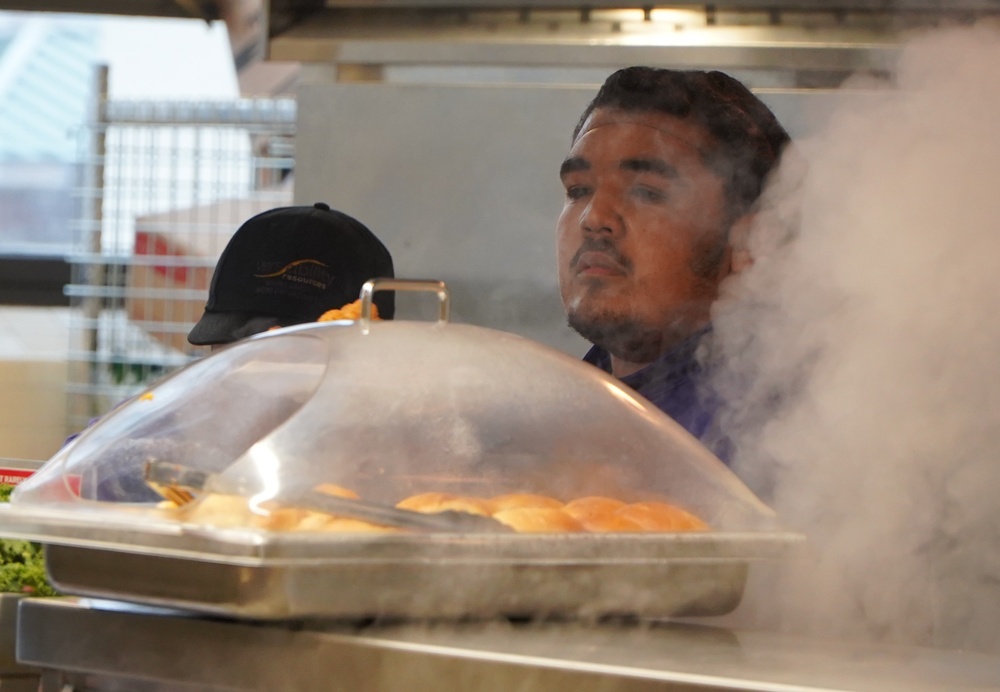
{"points": [[862, 359]]}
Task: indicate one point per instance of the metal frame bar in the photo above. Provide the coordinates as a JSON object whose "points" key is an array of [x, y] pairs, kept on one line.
{"points": [[33, 280]]}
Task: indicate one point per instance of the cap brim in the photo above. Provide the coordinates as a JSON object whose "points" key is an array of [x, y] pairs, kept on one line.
{"points": [[226, 327]]}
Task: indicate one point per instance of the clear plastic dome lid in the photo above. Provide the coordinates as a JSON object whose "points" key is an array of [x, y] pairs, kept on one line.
{"points": [[393, 409]]}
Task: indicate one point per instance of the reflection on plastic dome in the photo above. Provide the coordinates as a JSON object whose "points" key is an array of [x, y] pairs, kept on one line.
{"points": [[204, 416]]}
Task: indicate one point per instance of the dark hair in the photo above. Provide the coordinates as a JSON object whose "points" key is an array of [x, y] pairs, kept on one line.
{"points": [[749, 139]]}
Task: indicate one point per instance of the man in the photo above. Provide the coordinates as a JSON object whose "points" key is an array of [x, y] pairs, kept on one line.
{"points": [[288, 266], [661, 182]]}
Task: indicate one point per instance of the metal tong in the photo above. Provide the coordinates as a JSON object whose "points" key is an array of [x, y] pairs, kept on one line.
{"points": [[182, 484]]}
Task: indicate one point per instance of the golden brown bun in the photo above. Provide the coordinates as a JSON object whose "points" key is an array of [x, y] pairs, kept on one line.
{"points": [[418, 503], [537, 520], [523, 512], [233, 510], [312, 521], [598, 514], [519, 500], [337, 491], [584, 508], [295, 519], [279, 518], [430, 503], [350, 311], [658, 516], [218, 509], [610, 523]]}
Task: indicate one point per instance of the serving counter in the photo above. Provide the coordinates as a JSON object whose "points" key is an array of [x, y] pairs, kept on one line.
{"points": [[14, 677], [103, 645]]}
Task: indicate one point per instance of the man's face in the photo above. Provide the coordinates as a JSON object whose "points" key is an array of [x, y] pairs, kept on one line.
{"points": [[642, 237]]}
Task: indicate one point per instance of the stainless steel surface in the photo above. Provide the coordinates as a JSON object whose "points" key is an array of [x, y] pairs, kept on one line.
{"points": [[109, 643], [255, 113], [8, 627], [794, 36], [322, 39], [365, 589]]}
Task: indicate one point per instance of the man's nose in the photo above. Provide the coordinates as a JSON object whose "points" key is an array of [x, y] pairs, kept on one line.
{"points": [[602, 215]]}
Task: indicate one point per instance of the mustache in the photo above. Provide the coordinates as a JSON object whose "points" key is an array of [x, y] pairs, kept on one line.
{"points": [[603, 245]]}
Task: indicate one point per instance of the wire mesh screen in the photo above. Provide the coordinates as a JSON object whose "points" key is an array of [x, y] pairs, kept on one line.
{"points": [[165, 186]]}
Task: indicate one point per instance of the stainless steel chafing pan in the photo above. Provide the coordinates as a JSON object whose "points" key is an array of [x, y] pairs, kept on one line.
{"points": [[249, 574], [388, 409]]}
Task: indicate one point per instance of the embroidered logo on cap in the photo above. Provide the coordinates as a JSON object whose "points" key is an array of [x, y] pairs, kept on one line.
{"points": [[306, 271]]}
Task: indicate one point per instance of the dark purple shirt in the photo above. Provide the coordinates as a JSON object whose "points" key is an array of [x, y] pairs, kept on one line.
{"points": [[673, 383]]}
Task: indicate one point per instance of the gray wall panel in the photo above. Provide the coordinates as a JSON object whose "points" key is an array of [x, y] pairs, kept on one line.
{"points": [[461, 183]]}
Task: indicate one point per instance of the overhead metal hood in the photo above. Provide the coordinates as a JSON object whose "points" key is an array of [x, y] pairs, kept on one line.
{"points": [[554, 39], [821, 41]]}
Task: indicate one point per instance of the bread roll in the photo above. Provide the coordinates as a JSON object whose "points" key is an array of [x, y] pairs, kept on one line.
{"points": [[337, 491], [611, 523], [313, 521], [658, 516], [537, 520], [225, 511], [431, 503], [350, 311], [519, 500], [297, 519], [598, 514], [218, 509], [592, 506], [279, 518]]}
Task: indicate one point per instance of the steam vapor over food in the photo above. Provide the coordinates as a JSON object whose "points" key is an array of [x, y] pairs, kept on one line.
{"points": [[860, 357]]}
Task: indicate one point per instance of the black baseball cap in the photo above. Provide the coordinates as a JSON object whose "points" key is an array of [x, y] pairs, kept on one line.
{"points": [[287, 266]]}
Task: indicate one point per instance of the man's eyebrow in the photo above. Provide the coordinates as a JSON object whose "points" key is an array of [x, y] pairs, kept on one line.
{"points": [[572, 165], [658, 166]]}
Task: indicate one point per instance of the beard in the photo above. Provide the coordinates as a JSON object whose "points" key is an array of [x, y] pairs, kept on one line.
{"points": [[624, 332], [622, 336]]}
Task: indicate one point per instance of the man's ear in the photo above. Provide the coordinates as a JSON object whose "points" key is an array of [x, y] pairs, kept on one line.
{"points": [[739, 244]]}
